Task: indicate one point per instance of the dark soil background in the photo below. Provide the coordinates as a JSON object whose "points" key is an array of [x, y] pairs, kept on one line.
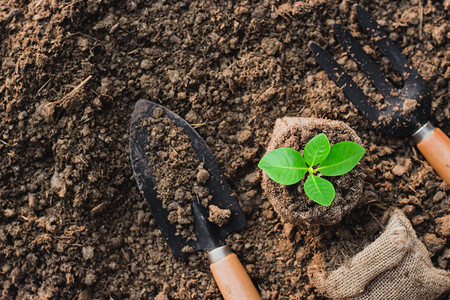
{"points": [[72, 222]]}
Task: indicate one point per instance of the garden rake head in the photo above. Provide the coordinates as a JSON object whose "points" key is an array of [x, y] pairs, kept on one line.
{"points": [[406, 109]]}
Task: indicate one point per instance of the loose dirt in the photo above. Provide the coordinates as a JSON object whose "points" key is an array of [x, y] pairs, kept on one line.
{"points": [[179, 176], [72, 222]]}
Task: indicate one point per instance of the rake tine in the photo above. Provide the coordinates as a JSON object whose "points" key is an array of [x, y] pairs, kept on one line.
{"points": [[363, 60], [385, 44], [344, 82]]}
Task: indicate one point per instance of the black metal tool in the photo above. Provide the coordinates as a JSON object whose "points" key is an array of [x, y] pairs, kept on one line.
{"points": [[407, 109], [230, 276]]}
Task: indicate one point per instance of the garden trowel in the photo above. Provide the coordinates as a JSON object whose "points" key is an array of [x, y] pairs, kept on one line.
{"points": [[228, 272]]}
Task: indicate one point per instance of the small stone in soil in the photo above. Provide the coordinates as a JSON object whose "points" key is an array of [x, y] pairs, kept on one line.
{"points": [[218, 215]]}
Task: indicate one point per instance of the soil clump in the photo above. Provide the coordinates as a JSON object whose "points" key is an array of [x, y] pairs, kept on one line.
{"points": [[218, 215]]}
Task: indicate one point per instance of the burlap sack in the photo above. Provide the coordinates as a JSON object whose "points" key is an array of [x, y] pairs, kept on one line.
{"points": [[395, 266], [290, 202]]}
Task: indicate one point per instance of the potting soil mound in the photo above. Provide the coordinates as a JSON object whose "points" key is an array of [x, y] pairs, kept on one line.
{"points": [[72, 222], [179, 176]]}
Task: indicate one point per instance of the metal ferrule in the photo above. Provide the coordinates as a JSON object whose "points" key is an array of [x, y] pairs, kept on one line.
{"points": [[423, 132], [218, 253]]}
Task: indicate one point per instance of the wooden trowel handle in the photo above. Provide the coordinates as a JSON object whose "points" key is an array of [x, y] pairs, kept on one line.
{"points": [[436, 149], [231, 277]]}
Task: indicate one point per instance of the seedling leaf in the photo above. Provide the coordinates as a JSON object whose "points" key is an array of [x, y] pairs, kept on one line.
{"points": [[287, 166], [316, 150], [319, 190], [342, 158], [284, 165]]}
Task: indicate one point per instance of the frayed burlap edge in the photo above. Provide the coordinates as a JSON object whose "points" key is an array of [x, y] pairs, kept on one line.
{"points": [[395, 266]]}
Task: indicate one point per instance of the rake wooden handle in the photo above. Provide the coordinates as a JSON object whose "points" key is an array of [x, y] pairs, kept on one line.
{"points": [[436, 149], [231, 277]]}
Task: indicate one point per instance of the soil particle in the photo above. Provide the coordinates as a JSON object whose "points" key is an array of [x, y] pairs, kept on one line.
{"points": [[161, 296], [244, 136], [438, 196], [439, 33], [202, 176], [433, 243], [99, 209], [409, 105], [419, 219], [88, 252], [398, 170], [271, 46], [84, 295], [90, 279], [409, 210], [158, 112], [218, 215], [267, 95], [16, 275], [444, 259], [192, 117], [443, 226], [9, 213], [146, 64], [174, 76], [55, 182], [252, 179]]}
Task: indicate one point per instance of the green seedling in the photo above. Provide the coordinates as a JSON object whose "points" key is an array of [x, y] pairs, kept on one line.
{"points": [[287, 166]]}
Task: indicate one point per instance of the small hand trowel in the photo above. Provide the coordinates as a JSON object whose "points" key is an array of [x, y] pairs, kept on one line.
{"points": [[229, 274]]}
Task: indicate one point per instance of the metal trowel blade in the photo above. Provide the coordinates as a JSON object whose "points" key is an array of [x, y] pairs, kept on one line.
{"points": [[209, 235]]}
